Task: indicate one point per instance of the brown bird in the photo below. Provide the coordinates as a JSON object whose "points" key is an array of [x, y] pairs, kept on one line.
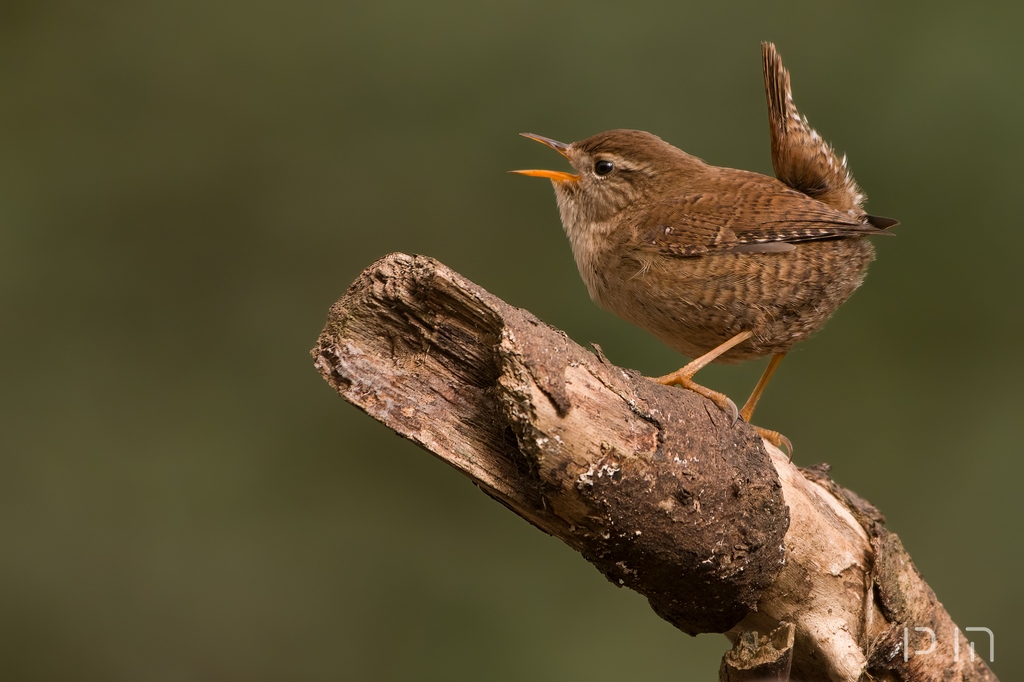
{"points": [[722, 265]]}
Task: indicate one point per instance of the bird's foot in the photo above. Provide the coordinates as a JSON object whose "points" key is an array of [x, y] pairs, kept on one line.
{"points": [[680, 378], [776, 439], [684, 376]]}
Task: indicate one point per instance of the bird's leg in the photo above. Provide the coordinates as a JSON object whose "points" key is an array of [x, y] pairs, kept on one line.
{"points": [[684, 376], [748, 408], [773, 437]]}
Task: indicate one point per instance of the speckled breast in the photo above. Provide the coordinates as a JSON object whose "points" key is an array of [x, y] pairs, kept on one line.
{"points": [[696, 304]]}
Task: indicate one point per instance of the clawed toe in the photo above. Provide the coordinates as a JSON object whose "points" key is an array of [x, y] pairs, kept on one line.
{"points": [[723, 401], [776, 439]]}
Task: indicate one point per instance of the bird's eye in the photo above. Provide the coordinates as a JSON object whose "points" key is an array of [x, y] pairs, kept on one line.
{"points": [[603, 167]]}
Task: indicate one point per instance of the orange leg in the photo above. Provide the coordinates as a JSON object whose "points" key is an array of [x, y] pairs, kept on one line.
{"points": [[684, 376], [773, 437], [748, 409]]}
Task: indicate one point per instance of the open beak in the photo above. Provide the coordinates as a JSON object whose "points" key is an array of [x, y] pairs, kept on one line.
{"points": [[555, 176]]}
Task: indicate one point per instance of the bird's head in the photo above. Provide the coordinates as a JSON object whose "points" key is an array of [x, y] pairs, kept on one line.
{"points": [[614, 169]]}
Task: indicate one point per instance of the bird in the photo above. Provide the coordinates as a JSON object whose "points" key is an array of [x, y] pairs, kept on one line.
{"points": [[722, 265]]}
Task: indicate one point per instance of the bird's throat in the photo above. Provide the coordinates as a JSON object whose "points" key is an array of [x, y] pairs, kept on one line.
{"points": [[589, 240]]}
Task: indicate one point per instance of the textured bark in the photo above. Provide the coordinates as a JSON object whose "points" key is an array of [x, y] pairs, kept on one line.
{"points": [[759, 659], [652, 484]]}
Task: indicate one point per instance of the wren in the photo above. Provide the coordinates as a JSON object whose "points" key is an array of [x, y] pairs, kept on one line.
{"points": [[722, 265]]}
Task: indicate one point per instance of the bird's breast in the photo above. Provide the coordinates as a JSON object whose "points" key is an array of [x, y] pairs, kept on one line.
{"points": [[594, 252]]}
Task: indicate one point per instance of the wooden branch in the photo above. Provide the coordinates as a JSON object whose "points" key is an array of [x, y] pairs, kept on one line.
{"points": [[760, 659], [652, 484]]}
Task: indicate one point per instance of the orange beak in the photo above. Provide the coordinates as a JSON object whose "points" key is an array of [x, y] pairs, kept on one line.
{"points": [[555, 176]]}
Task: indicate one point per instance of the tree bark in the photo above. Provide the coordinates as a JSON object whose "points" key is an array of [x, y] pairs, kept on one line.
{"points": [[651, 484], [760, 659]]}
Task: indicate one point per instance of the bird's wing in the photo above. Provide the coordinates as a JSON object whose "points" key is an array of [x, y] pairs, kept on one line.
{"points": [[702, 223]]}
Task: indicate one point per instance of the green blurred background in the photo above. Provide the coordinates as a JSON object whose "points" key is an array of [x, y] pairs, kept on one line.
{"points": [[186, 187]]}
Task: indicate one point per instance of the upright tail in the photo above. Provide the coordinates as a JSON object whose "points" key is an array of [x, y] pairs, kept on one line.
{"points": [[801, 158]]}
